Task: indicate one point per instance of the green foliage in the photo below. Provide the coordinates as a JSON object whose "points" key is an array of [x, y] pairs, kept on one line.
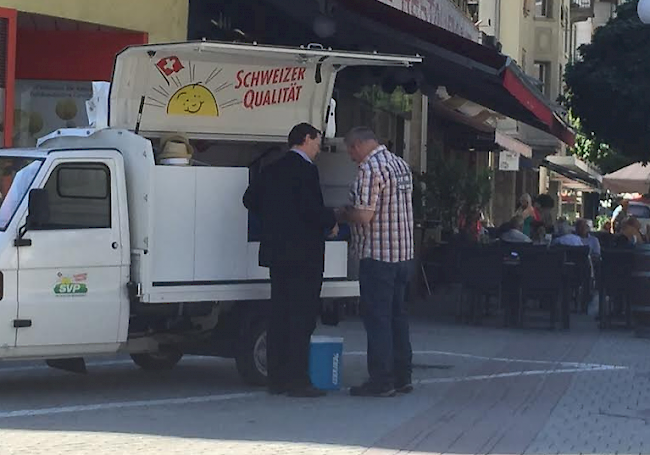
{"points": [[609, 88], [601, 220], [398, 102], [589, 148], [448, 189]]}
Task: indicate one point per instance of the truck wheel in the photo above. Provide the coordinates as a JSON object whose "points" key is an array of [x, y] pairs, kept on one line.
{"points": [[157, 361], [251, 355]]}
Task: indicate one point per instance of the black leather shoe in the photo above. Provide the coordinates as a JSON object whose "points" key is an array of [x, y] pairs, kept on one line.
{"points": [[277, 390], [306, 392], [404, 387]]}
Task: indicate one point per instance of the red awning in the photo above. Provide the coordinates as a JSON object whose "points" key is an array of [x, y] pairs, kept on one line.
{"points": [[471, 70]]}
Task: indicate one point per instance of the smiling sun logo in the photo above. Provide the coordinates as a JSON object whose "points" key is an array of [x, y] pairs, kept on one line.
{"points": [[185, 93], [193, 99]]}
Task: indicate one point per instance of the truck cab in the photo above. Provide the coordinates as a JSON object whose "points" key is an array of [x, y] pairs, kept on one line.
{"points": [[107, 247]]}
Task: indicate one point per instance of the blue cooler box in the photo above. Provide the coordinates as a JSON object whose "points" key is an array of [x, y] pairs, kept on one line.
{"points": [[325, 362]]}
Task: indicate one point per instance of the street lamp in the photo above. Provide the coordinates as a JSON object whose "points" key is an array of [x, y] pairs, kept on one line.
{"points": [[643, 9]]}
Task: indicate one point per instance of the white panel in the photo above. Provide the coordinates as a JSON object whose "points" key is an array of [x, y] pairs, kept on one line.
{"points": [[73, 275], [337, 171], [336, 261], [9, 305], [239, 292], [172, 246], [221, 224]]}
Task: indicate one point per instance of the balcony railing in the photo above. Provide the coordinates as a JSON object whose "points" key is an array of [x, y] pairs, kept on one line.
{"points": [[581, 10], [581, 3]]}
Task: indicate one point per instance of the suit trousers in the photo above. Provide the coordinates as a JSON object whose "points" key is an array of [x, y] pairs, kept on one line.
{"points": [[295, 306]]}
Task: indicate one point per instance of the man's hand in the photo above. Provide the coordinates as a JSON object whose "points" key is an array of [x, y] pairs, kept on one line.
{"points": [[340, 214], [334, 232]]}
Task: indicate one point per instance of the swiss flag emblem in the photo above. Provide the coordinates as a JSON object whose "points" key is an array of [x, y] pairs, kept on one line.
{"points": [[169, 65]]}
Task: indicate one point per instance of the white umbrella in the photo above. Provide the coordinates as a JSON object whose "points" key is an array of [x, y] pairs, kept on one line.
{"points": [[634, 178]]}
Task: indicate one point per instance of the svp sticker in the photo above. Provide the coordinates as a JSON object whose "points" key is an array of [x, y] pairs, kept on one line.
{"points": [[71, 286]]}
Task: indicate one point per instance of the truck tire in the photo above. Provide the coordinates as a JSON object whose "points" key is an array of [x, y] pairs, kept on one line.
{"points": [[157, 361], [251, 355]]}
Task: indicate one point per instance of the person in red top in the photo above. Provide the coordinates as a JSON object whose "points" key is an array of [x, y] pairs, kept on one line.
{"points": [[471, 226]]}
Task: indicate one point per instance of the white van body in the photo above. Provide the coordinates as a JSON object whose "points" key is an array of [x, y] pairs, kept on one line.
{"points": [[158, 260]]}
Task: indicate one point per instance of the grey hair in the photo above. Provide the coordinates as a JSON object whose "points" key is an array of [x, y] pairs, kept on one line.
{"points": [[563, 228], [517, 222], [360, 134]]}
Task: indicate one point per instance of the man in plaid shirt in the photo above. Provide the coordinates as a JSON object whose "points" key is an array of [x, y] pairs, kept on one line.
{"points": [[381, 217]]}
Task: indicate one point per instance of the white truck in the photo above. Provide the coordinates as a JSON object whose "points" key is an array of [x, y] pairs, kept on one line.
{"points": [[105, 250]]}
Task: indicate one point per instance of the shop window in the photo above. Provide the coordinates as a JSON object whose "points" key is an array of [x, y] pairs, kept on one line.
{"points": [[544, 8], [42, 107], [79, 197]]}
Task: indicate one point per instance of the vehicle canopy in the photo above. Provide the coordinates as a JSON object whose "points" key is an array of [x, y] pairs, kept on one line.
{"points": [[214, 90]]}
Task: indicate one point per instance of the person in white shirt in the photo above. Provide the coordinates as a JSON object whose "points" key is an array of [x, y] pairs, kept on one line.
{"points": [[565, 235], [515, 234], [582, 229]]}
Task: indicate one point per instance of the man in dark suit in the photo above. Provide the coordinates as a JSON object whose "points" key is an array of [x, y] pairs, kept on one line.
{"points": [[287, 198]]}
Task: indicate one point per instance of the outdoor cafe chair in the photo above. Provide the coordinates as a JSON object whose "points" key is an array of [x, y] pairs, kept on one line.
{"points": [[615, 285], [541, 278], [480, 271], [579, 275]]}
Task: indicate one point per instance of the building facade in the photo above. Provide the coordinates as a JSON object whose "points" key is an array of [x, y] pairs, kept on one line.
{"points": [[54, 50], [586, 17], [541, 36]]}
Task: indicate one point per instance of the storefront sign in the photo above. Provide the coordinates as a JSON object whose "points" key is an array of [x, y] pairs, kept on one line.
{"points": [[45, 106], [508, 161], [442, 13]]}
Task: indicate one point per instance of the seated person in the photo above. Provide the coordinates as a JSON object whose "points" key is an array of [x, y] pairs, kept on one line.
{"points": [[564, 234], [583, 231], [631, 229], [538, 233], [515, 232], [471, 228]]}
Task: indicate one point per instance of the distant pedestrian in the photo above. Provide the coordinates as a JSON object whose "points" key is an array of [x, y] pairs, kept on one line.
{"points": [[620, 215]]}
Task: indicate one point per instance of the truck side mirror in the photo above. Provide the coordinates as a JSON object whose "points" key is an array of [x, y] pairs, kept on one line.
{"points": [[38, 215], [39, 209]]}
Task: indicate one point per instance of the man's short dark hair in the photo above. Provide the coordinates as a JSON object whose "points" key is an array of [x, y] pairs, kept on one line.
{"points": [[299, 134], [360, 134]]}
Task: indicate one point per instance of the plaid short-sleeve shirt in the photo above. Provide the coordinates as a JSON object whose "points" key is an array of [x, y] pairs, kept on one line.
{"points": [[384, 184]]}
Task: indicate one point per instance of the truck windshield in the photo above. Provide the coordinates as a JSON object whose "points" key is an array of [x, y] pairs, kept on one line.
{"points": [[16, 177]]}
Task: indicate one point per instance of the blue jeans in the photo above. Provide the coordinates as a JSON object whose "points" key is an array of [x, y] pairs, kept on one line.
{"points": [[383, 293]]}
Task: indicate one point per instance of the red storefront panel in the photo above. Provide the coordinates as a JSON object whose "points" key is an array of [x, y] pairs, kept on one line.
{"points": [[70, 55]]}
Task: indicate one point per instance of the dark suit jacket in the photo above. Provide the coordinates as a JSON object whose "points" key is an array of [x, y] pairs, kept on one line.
{"points": [[287, 198]]}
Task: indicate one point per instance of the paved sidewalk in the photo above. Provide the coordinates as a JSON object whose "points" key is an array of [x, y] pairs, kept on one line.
{"points": [[481, 391]]}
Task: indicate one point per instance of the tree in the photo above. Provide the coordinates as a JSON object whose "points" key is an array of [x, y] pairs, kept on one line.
{"points": [[609, 88], [589, 148]]}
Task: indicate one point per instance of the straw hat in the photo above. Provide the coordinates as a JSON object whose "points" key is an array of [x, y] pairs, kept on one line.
{"points": [[175, 146]]}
